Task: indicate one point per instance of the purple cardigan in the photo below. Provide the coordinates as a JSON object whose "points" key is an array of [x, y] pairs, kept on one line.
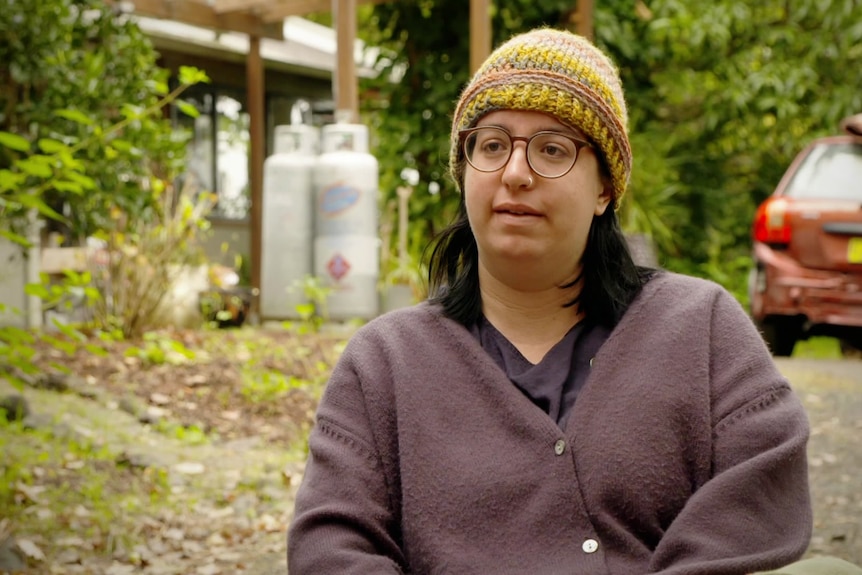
{"points": [[684, 453]]}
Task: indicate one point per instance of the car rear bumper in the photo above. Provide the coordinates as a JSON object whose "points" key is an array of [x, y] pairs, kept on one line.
{"points": [[786, 288]]}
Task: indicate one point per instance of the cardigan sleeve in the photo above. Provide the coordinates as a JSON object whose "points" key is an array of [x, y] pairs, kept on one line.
{"points": [[754, 513], [343, 517]]}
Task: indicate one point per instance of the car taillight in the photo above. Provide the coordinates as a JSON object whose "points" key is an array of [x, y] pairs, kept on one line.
{"points": [[770, 222]]}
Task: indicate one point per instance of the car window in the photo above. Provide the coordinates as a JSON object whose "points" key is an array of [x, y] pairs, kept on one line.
{"points": [[832, 171]]}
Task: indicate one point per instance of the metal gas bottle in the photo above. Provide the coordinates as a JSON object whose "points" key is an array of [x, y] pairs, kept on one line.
{"points": [[346, 242], [287, 252]]}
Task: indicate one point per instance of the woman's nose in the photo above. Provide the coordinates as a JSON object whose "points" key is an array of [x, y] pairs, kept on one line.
{"points": [[517, 173]]}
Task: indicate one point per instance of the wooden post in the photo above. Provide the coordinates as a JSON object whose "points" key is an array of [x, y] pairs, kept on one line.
{"points": [[583, 19], [404, 193], [480, 33], [257, 138], [346, 91]]}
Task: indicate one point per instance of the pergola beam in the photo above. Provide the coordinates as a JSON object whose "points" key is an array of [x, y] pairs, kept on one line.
{"points": [[582, 18], [203, 15], [223, 6], [277, 10]]}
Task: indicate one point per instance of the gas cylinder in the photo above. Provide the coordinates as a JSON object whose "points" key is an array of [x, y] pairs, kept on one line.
{"points": [[346, 242], [287, 250]]}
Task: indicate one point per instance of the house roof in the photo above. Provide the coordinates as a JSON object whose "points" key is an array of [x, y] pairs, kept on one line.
{"points": [[259, 18], [308, 48]]}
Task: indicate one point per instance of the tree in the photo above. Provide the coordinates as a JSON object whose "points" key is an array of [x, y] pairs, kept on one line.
{"points": [[68, 70], [85, 141], [721, 96]]}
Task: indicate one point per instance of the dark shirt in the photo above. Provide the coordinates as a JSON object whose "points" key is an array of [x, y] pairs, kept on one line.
{"points": [[553, 383]]}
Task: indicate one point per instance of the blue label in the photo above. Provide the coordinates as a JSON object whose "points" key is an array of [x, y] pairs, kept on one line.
{"points": [[338, 198]]}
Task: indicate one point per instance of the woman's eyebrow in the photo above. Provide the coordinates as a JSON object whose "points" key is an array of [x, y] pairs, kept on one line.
{"points": [[558, 129]]}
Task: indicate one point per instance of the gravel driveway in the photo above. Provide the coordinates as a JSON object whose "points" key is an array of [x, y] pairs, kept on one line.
{"points": [[832, 393]]}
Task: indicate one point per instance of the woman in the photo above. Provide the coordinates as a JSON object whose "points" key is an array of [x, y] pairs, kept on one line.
{"points": [[552, 408]]}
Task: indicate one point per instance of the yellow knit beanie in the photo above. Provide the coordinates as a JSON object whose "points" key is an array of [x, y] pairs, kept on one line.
{"points": [[561, 74]]}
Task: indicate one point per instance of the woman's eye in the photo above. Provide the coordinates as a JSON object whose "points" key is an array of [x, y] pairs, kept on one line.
{"points": [[555, 150], [492, 147]]}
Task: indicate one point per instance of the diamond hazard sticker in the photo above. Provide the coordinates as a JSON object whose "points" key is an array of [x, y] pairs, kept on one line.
{"points": [[338, 267]]}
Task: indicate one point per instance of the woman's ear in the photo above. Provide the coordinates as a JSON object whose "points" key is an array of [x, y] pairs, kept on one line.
{"points": [[605, 196]]}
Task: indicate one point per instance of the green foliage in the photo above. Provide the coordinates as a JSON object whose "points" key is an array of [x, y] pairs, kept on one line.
{"points": [[18, 347], [16, 353], [79, 87], [160, 349], [266, 385], [75, 288], [188, 434], [50, 484], [721, 96], [818, 348], [145, 256], [410, 119], [223, 308], [313, 313], [130, 276], [85, 143]]}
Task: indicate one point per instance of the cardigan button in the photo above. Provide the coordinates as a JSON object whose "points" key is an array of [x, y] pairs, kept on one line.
{"points": [[590, 546], [560, 447]]}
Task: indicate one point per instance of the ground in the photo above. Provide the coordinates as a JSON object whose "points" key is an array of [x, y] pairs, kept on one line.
{"points": [[197, 439], [180, 454], [831, 391]]}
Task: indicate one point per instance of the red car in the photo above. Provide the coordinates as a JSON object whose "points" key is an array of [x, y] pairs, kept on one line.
{"points": [[807, 275]]}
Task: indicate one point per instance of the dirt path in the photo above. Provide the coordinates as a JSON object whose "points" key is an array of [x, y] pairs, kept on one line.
{"points": [[832, 393], [228, 505]]}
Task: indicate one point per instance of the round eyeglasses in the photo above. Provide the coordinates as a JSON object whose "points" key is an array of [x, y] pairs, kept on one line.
{"points": [[549, 154]]}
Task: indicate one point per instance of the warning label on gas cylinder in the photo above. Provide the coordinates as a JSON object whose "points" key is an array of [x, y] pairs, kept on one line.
{"points": [[338, 267]]}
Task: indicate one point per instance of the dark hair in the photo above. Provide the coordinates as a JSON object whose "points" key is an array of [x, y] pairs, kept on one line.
{"points": [[611, 280]]}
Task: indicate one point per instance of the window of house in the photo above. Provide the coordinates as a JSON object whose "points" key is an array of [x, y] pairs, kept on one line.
{"points": [[218, 152]]}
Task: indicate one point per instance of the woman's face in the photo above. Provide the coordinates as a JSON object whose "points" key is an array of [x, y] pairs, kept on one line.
{"points": [[519, 217]]}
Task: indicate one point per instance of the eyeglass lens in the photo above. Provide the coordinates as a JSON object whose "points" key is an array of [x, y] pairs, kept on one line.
{"points": [[549, 154]]}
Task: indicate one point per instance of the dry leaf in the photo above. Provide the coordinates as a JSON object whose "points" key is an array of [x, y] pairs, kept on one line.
{"points": [[175, 534], [231, 415], [68, 556], [221, 513], [189, 468], [267, 522], [197, 379], [120, 569], [210, 569], [5, 529], [30, 492], [30, 549], [71, 541], [74, 464], [154, 412], [160, 398]]}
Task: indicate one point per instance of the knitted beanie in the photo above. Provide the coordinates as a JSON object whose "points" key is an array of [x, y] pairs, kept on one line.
{"points": [[561, 74]]}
